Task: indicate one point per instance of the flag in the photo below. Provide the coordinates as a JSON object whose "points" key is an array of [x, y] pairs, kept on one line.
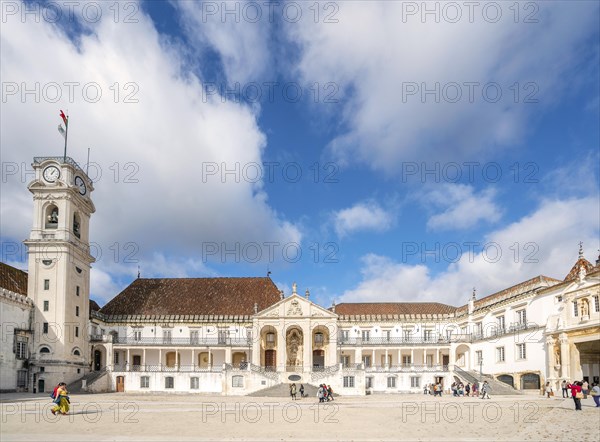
{"points": [[61, 130], [65, 118]]}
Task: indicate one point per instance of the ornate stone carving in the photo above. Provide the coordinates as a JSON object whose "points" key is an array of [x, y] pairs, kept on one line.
{"points": [[294, 309], [294, 347]]}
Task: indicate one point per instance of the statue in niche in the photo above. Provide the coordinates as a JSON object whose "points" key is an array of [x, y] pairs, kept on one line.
{"points": [[585, 308], [294, 348], [556, 355], [53, 217]]}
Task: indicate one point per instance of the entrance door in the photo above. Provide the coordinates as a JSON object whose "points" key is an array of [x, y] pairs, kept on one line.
{"points": [[439, 380], [270, 359], [120, 384], [97, 359], [318, 358], [445, 360], [137, 362], [41, 386]]}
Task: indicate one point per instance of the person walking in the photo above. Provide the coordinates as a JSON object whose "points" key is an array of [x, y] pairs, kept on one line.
{"points": [[320, 393], [62, 400], [329, 393], [548, 390], [301, 390], [596, 394], [565, 390], [293, 391], [576, 394], [585, 389], [485, 390], [468, 389]]}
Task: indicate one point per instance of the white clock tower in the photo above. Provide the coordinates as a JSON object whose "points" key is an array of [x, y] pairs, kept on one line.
{"points": [[59, 271]]}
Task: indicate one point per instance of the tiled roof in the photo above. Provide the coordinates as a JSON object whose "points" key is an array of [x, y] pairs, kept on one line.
{"points": [[193, 296], [13, 279], [393, 308], [94, 307], [575, 269]]}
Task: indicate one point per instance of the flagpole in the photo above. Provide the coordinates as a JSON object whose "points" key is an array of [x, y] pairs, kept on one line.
{"points": [[66, 135]]}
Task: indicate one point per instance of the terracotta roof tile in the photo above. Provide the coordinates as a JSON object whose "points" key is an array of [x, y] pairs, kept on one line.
{"points": [[13, 279], [575, 269], [94, 307], [393, 308], [193, 296]]}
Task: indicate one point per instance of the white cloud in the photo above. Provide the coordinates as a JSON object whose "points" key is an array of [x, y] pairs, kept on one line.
{"points": [[362, 216], [462, 207], [376, 58], [162, 141], [545, 242]]}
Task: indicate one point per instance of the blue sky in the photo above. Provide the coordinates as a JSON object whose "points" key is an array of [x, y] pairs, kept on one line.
{"points": [[510, 139]]}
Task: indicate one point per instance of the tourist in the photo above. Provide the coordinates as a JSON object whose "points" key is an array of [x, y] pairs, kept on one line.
{"points": [[548, 390], [565, 390], [485, 390], [475, 389], [461, 389], [293, 391], [596, 394], [320, 393], [585, 389], [426, 389], [329, 393], [576, 394], [468, 389], [62, 400], [453, 388], [301, 390]]}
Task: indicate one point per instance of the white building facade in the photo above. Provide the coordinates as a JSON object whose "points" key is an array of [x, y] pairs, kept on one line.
{"points": [[237, 336]]}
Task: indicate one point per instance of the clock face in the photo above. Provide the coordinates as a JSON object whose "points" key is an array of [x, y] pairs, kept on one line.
{"points": [[80, 184], [51, 174]]}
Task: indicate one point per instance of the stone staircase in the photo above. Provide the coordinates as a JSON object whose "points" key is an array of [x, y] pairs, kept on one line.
{"points": [[76, 386], [283, 390], [496, 387]]}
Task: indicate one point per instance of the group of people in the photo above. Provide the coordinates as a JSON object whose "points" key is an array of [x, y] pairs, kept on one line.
{"points": [[325, 393], [293, 391], [460, 390], [60, 397], [580, 390]]}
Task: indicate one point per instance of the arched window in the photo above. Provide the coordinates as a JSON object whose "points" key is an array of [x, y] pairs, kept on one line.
{"points": [[76, 352], [77, 225], [51, 217], [44, 350]]}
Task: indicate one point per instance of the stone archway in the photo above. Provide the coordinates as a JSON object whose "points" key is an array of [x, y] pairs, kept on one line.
{"points": [[462, 356]]}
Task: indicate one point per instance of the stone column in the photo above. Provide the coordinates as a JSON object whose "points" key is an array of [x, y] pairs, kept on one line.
{"points": [[228, 359], [280, 356], [564, 356], [307, 348]]}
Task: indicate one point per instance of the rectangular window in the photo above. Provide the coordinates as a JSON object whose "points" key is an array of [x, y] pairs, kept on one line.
{"points": [[22, 378], [345, 335], [145, 382], [479, 356], [499, 354], [575, 309], [194, 336], [521, 351], [137, 335], [194, 383], [391, 382], [415, 382], [270, 338], [428, 335], [407, 335], [522, 317], [167, 336], [318, 338], [76, 332], [45, 328], [223, 335], [116, 357], [597, 303], [367, 361], [77, 290], [366, 334], [21, 347], [501, 323], [369, 382], [429, 360], [406, 360], [348, 381], [237, 381], [345, 359], [46, 284], [169, 382], [46, 306], [388, 335], [76, 310]]}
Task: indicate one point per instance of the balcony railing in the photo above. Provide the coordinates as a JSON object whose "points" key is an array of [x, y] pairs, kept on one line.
{"points": [[153, 368], [406, 368], [431, 340], [190, 342]]}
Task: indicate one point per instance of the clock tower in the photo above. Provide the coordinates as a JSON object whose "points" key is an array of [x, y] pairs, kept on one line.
{"points": [[59, 271]]}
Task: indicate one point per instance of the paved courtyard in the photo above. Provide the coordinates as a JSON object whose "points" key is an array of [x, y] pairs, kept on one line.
{"points": [[123, 416]]}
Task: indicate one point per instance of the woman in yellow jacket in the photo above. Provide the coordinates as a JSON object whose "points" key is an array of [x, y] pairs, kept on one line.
{"points": [[62, 400]]}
